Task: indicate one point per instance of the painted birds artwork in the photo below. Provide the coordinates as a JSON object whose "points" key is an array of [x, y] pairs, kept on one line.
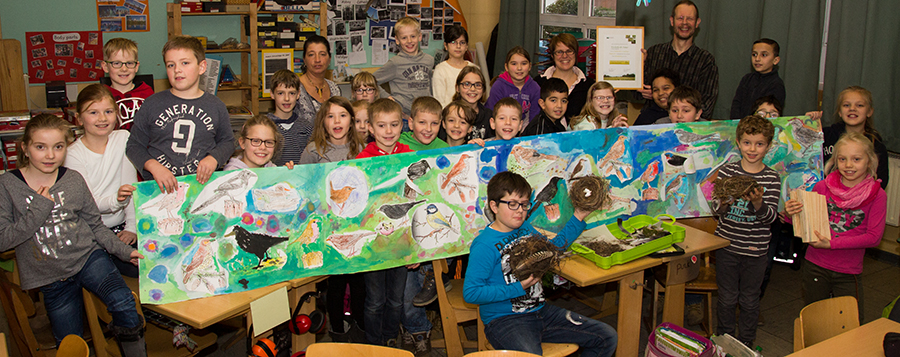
{"points": [[611, 164], [256, 243], [675, 159], [436, 220], [170, 201], [385, 228], [230, 188], [687, 137], [413, 172], [650, 173], [397, 211], [350, 244], [803, 134], [456, 177], [546, 195], [202, 270], [340, 196], [310, 234]]}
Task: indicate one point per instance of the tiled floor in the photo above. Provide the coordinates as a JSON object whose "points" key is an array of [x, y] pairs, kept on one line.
{"points": [[780, 306]]}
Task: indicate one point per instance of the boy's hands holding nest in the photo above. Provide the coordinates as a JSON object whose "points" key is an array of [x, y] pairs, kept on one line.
{"points": [[527, 283], [754, 195]]}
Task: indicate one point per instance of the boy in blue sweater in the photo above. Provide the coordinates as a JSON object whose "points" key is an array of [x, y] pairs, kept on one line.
{"points": [[514, 314]]}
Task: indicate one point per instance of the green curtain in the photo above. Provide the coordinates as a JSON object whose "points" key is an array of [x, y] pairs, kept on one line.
{"points": [[728, 29], [519, 26], [863, 50]]}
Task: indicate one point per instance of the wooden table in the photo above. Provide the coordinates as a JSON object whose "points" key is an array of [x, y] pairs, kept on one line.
{"points": [[205, 312], [862, 341], [630, 276], [3, 351]]}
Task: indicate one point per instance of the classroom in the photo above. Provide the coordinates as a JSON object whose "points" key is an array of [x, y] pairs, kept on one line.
{"points": [[279, 177]]}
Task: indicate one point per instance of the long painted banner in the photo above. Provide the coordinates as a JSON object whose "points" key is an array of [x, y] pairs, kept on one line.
{"points": [[247, 229]]}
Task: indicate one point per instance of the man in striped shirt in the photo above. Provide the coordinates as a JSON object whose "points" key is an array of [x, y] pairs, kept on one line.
{"points": [[696, 66], [740, 267]]}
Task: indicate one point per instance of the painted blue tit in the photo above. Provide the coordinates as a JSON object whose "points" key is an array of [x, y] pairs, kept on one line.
{"points": [[436, 220]]}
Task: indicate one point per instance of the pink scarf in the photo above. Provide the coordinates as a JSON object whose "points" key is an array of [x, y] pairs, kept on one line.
{"points": [[851, 197]]}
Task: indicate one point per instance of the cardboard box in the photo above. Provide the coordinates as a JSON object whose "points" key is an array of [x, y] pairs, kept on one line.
{"points": [[237, 8], [14, 120], [286, 26], [285, 17], [11, 162], [284, 43], [287, 35], [679, 271], [191, 7], [9, 147]]}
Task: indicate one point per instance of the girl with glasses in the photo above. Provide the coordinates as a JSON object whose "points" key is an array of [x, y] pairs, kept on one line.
{"points": [[563, 50], [259, 142], [600, 111]]}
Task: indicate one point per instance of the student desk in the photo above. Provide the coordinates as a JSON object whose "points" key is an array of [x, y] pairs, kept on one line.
{"points": [[583, 272], [863, 341], [205, 312]]}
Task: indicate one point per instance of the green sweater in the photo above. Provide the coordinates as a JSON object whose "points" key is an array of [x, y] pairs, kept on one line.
{"points": [[407, 139]]}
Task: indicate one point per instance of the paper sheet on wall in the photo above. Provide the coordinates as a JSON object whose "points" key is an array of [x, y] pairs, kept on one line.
{"points": [[270, 311], [379, 52], [357, 57]]}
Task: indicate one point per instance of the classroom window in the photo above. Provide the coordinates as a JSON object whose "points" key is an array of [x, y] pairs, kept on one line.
{"points": [[578, 16]]}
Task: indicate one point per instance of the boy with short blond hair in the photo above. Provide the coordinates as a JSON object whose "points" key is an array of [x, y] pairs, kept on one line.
{"points": [[120, 62], [684, 106], [409, 72], [424, 125], [285, 91], [384, 288], [364, 87], [554, 103], [740, 267], [513, 310], [183, 130], [762, 81]]}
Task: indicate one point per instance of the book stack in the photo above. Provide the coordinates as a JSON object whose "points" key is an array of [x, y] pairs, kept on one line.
{"points": [[675, 343]]}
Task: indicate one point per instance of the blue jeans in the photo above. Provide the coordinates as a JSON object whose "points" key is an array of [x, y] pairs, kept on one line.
{"points": [[525, 332], [414, 318], [65, 306], [384, 304]]}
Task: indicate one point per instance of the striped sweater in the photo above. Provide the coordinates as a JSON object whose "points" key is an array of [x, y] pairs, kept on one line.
{"points": [[746, 227]]}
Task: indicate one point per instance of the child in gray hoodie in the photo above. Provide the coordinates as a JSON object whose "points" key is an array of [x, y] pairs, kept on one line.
{"points": [[409, 72], [48, 215]]}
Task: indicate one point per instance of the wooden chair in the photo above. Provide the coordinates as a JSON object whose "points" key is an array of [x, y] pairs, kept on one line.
{"points": [[455, 310], [825, 319], [18, 307], [798, 335], [548, 349], [500, 353], [354, 350], [73, 346], [159, 340]]}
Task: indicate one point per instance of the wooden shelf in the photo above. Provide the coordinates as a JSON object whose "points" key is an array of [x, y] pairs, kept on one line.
{"points": [[227, 88], [214, 13], [229, 50], [311, 12], [11, 132]]}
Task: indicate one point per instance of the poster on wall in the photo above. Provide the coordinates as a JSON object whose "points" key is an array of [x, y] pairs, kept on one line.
{"points": [[73, 56], [123, 15]]}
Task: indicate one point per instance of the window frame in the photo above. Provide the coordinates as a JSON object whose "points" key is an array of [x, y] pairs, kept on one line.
{"points": [[583, 20]]}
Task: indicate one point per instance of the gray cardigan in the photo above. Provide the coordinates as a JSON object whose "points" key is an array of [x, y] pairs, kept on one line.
{"points": [[52, 240]]}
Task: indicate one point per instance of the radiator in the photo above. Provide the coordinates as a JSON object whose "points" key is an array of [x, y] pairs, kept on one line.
{"points": [[893, 190]]}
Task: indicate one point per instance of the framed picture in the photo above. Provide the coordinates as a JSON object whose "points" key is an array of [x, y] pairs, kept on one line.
{"points": [[274, 60], [619, 59]]}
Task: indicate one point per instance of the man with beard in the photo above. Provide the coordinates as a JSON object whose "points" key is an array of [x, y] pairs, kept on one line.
{"points": [[696, 66]]}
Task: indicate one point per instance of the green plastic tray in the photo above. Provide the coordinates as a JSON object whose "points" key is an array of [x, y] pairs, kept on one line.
{"points": [[676, 235]]}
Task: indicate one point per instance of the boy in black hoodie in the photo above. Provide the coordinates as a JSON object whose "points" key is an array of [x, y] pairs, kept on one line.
{"points": [[763, 81], [554, 101]]}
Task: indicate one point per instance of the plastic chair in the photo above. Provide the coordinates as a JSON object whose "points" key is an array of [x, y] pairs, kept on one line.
{"points": [[455, 310], [354, 350], [825, 319], [73, 346], [500, 353], [159, 340]]}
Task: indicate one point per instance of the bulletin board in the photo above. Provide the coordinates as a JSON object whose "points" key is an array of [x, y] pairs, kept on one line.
{"points": [[71, 56], [123, 15], [361, 31]]}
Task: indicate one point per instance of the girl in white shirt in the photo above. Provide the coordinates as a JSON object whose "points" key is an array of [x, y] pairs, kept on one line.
{"points": [[99, 156], [443, 83]]}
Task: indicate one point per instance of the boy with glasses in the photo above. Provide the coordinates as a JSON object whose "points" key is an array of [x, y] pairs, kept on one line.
{"points": [[121, 64]]}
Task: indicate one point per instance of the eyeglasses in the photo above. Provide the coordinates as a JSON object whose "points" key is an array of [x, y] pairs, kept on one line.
{"points": [[459, 43], [118, 64], [604, 98], [513, 205], [766, 114], [365, 90], [467, 85], [561, 53], [257, 142]]}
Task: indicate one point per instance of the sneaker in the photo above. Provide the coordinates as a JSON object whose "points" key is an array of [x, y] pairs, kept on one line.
{"points": [[428, 293], [392, 343], [408, 341], [693, 314], [422, 343]]}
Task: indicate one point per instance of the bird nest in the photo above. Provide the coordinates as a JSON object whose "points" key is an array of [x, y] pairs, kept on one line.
{"points": [[604, 248], [589, 193], [534, 255], [732, 188]]}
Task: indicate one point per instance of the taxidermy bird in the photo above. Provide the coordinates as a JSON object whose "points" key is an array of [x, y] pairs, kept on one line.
{"points": [[238, 182], [255, 243], [399, 210], [546, 195], [436, 220]]}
